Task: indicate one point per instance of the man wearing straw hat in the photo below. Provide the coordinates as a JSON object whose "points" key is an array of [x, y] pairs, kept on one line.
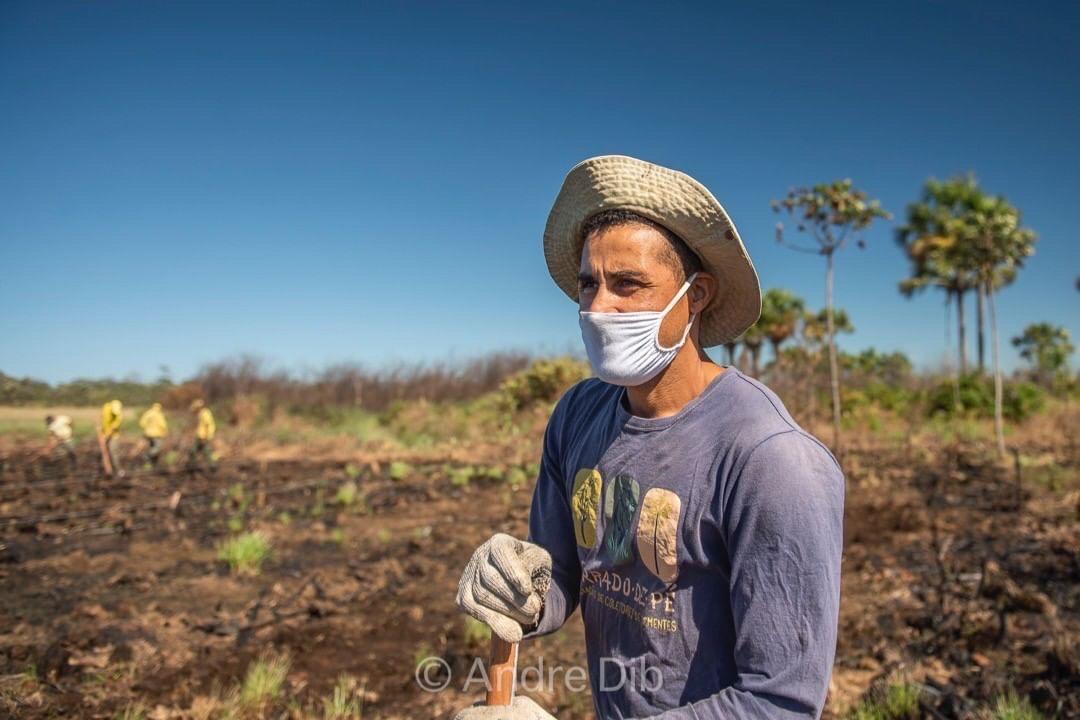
{"points": [[679, 504]]}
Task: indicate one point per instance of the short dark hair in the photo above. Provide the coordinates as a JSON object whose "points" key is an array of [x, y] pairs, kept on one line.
{"points": [[677, 254]]}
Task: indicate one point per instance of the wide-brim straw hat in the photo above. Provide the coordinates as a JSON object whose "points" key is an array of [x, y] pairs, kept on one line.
{"points": [[672, 199]]}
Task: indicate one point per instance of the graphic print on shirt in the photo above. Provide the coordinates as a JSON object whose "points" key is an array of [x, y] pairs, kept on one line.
{"points": [[620, 503], [613, 583], [585, 503], [657, 533]]}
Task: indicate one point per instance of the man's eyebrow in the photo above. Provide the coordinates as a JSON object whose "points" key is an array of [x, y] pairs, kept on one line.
{"points": [[629, 275], [617, 275]]}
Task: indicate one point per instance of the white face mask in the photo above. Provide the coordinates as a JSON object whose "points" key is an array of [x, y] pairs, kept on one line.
{"points": [[624, 348]]}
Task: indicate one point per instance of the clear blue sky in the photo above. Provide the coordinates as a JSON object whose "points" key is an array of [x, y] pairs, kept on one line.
{"points": [[323, 182]]}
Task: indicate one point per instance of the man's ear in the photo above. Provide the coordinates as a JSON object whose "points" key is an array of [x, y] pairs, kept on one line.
{"points": [[701, 291]]}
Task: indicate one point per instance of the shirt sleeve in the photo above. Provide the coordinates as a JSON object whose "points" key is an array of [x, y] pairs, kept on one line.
{"points": [[782, 523], [551, 527]]}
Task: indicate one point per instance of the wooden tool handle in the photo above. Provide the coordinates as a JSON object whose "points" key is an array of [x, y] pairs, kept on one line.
{"points": [[106, 463], [502, 671]]}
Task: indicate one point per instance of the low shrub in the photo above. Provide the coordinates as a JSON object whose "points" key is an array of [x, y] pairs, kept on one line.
{"points": [[972, 395], [347, 495], [542, 381]]}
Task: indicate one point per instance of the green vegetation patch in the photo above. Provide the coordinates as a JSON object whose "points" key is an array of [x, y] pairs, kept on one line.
{"points": [[245, 553]]}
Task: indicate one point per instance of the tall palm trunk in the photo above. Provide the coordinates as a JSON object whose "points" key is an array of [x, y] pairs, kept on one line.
{"points": [[834, 371], [775, 350], [999, 424], [954, 374], [961, 330], [980, 294]]}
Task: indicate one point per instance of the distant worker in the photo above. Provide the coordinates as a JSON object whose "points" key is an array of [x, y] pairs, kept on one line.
{"points": [[154, 428], [204, 436], [112, 417], [59, 427]]}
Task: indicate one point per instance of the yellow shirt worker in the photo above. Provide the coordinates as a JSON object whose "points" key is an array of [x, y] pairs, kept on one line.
{"points": [[206, 428], [154, 427], [204, 434], [112, 417]]}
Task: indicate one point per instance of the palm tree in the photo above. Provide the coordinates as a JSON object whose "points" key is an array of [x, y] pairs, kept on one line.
{"points": [[731, 346], [816, 325], [814, 332], [1047, 347], [780, 314], [996, 247], [932, 240], [892, 368], [832, 214], [753, 339]]}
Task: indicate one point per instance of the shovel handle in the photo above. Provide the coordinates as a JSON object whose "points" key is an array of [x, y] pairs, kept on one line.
{"points": [[502, 670], [106, 463]]}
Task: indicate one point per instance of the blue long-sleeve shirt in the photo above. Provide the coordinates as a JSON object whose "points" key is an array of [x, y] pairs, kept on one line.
{"points": [[704, 549]]}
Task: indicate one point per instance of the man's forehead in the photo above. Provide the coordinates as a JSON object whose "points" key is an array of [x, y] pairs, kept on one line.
{"points": [[634, 246]]}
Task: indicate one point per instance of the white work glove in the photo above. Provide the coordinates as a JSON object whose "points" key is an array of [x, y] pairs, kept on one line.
{"points": [[504, 585], [522, 709]]}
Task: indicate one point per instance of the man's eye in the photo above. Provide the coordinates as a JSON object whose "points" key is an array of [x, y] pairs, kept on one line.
{"points": [[586, 284]]}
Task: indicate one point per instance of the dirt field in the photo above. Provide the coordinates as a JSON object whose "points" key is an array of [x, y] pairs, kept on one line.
{"points": [[958, 580]]}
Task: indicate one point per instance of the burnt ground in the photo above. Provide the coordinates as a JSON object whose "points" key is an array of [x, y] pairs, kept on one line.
{"points": [[956, 578]]}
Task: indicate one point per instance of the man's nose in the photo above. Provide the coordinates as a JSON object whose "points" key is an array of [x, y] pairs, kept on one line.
{"points": [[600, 301]]}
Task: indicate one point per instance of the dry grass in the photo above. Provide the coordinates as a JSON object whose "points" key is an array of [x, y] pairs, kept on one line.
{"points": [[263, 685], [343, 703], [246, 553]]}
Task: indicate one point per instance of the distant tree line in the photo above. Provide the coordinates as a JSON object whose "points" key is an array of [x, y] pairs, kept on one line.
{"points": [[342, 385], [797, 365], [79, 393]]}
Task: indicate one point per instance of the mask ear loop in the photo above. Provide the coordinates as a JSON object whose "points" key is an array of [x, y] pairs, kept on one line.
{"points": [[665, 311]]}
